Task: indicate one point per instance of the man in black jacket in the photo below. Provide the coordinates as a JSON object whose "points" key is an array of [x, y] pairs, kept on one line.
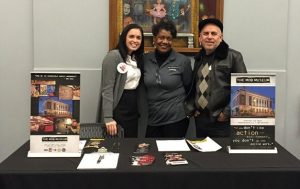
{"points": [[211, 80]]}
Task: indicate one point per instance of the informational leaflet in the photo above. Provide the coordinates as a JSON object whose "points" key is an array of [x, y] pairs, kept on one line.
{"points": [[54, 119], [175, 158], [205, 145]]}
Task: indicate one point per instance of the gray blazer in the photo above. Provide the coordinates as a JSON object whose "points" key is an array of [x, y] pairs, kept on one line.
{"points": [[112, 86]]}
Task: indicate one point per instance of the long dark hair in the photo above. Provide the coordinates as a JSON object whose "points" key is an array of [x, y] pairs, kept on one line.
{"points": [[122, 44]]}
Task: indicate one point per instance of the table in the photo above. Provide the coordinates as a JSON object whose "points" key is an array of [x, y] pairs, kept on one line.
{"points": [[205, 170]]}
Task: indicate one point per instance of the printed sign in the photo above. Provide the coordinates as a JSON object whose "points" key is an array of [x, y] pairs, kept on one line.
{"points": [[252, 111], [54, 120]]}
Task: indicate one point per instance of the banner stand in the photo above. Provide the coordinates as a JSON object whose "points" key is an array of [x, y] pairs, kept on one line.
{"points": [[252, 119], [55, 114]]}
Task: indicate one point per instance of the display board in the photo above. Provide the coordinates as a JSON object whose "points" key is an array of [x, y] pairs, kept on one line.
{"points": [[54, 120], [253, 112]]}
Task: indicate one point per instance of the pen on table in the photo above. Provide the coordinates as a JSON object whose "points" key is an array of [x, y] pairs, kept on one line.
{"points": [[101, 157]]}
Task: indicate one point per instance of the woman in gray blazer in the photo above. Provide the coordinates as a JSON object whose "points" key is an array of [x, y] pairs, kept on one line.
{"points": [[121, 73]]}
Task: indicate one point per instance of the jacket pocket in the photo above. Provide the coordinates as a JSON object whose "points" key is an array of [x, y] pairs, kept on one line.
{"points": [[223, 69]]}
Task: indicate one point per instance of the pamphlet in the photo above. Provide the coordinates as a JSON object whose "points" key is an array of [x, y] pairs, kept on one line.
{"points": [[205, 145], [175, 159], [93, 145], [99, 161], [142, 148], [142, 160]]}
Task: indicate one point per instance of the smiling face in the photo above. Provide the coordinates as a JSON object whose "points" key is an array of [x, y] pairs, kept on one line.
{"points": [[210, 38], [133, 40], [163, 41]]}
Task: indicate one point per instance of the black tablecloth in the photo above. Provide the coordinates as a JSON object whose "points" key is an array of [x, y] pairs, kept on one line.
{"points": [[205, 170]]}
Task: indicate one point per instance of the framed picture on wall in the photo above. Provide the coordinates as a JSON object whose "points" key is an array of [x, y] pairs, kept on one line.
{"points": [[184, 13]]}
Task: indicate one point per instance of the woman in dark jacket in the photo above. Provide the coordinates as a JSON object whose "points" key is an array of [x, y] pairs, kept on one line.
{"points": [[167, 75]]}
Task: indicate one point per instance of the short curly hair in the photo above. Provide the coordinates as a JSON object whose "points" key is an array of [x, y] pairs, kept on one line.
{"points": [[165, 24]]}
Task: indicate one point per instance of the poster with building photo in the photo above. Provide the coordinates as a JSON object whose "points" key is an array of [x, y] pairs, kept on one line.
{"points": [[252, 111], [54, 119]]}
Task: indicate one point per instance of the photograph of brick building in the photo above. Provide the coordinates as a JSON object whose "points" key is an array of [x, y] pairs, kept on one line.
{"points": [[252, 102]]}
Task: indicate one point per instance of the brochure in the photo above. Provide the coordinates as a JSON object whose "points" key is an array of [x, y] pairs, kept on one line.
{"points": [[205, 145], [175, 159], [93, 145], [142, 148], [142, 160]]}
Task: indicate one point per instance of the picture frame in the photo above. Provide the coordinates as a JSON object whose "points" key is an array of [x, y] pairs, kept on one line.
{"points": [[184, 13]]}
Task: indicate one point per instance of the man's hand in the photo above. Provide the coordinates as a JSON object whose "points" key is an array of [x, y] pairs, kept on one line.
{"points": [[222, 117], [197, 113]]}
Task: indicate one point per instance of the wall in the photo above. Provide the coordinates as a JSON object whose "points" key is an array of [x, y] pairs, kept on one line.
{"points": [[72, 35], [267, 34], [16, 61], [254, 35], [292, 123]]}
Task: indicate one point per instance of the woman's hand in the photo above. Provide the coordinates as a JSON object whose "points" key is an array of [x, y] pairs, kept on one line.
{"points": [[111, 128]]}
